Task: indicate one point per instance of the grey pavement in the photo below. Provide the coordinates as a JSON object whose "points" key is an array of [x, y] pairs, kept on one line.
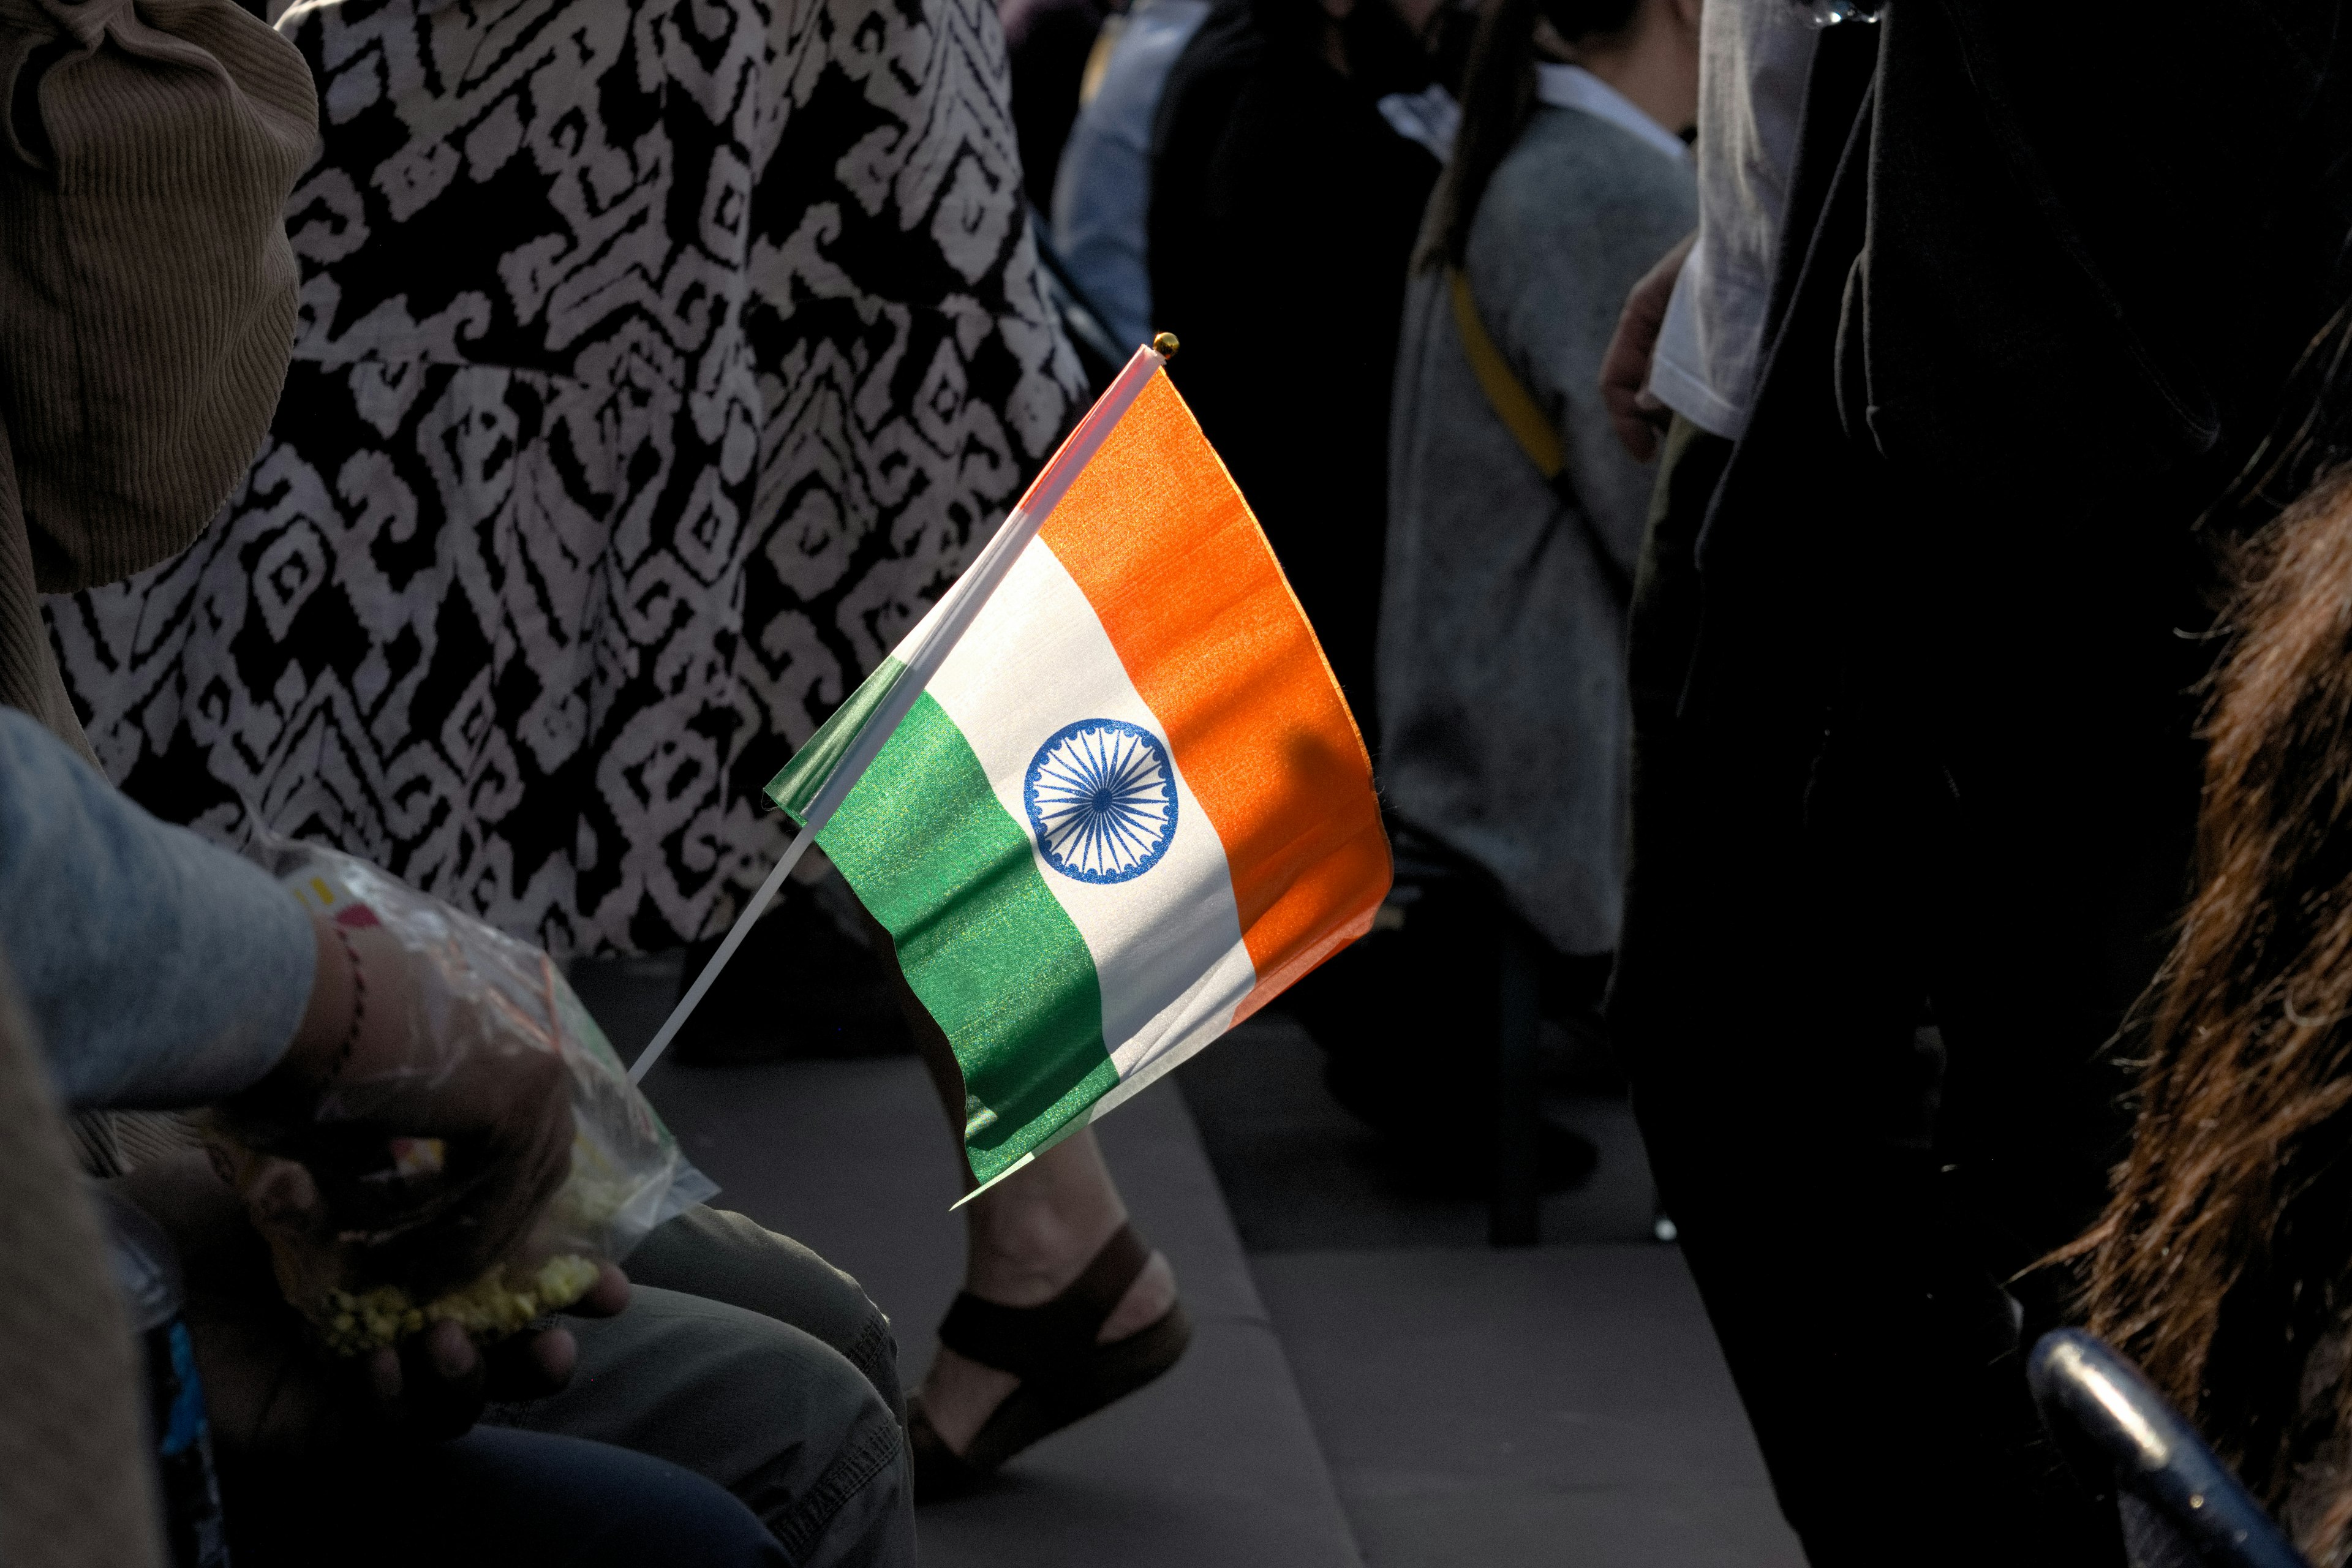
{"points": [[1371, 1383], [1557, 1405], [1562, 1405]]}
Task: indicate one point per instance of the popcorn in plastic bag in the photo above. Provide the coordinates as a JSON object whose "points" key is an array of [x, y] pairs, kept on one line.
{"points": [[365, 1215]]}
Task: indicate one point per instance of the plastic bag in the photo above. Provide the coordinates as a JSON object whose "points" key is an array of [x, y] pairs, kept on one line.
{"points": [[364, 1215]]}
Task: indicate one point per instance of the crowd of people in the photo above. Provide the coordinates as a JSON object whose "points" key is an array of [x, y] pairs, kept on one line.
{"points": [[1833, 518]]}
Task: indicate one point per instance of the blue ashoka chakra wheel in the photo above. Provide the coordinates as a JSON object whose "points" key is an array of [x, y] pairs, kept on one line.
{"points": [[1101, 794]]}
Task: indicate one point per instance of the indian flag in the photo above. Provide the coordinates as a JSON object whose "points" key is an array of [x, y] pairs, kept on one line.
{"points": [[1115, 803]]}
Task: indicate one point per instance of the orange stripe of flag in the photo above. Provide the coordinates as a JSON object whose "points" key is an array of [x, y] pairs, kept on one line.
{"points": [[1160, 541]]}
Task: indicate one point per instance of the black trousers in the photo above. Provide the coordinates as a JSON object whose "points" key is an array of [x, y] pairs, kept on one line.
{"points": [[1799, 903]]}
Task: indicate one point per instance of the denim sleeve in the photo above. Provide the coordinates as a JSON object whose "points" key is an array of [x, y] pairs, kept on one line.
{"points": [[158, 970]]}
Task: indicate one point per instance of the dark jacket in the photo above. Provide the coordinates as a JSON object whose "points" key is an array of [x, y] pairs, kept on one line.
{"points": [[1047, 44], [2046, 276], [1283, 213]]}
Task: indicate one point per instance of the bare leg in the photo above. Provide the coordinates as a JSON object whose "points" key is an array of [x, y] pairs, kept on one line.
{"points": [[1024, 1241]]}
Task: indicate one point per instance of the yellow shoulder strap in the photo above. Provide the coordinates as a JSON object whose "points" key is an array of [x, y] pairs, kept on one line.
{"points": [[1513, 403], [1090, 79]]}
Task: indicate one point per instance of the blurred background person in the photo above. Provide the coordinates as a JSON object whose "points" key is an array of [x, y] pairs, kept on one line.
{"points": [[1050, 46], [1920, 747], [1102, 195], [1515, 518], [1284, 208]]}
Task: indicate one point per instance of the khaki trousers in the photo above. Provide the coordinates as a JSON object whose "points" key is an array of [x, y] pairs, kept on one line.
{"points": [[746, 1357]]}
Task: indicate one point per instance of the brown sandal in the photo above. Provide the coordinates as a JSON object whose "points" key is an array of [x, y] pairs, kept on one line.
{"points": [[1064, 1374]]}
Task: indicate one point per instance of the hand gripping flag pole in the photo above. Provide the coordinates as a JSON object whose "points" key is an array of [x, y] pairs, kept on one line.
{"points": [[953, 616]]}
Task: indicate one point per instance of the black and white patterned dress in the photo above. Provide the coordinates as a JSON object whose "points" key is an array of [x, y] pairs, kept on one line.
{"points": [[659, 361]]}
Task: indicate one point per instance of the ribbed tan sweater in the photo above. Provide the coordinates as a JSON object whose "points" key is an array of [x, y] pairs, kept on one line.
{"points": [[146, 312], [146, 291]]}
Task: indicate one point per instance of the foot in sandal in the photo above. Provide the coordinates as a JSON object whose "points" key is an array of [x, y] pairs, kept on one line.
{"points": [[1065, 1310]]}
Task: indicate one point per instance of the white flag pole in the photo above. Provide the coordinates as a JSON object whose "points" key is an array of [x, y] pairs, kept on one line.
{"points": [[743, 923], [948, 622]]}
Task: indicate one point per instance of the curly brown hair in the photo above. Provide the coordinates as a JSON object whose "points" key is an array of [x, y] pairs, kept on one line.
{"points": [[2224, 1258]]}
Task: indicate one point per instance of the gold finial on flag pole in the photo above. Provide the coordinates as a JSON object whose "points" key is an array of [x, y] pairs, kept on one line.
{"points": [[1164, 345]]}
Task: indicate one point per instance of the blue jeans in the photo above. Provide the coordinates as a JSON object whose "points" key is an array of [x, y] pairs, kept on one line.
{"points": [[494, 1498]]}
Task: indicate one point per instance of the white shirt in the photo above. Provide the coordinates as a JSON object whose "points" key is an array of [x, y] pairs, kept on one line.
{"points": [[1754, 58], [1430, 117], [1573, 87]]}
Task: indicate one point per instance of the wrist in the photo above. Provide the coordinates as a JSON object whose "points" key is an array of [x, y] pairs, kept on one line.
{"points": [[337, 1012]]}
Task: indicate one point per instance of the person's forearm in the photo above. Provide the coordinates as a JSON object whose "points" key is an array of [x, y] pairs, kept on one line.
{"points": [[1625, 367], [359, 1014], [158, 970]]}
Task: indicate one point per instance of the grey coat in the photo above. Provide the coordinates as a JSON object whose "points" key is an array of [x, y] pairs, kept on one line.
{"points": [[1502, 658]]}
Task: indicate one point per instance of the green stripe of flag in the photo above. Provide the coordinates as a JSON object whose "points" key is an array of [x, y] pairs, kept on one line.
{"points": [[795, 789], [994, 957]]}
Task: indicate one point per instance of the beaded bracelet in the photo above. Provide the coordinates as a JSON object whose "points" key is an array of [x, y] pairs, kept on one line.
{"points": [[359, 1008]]}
